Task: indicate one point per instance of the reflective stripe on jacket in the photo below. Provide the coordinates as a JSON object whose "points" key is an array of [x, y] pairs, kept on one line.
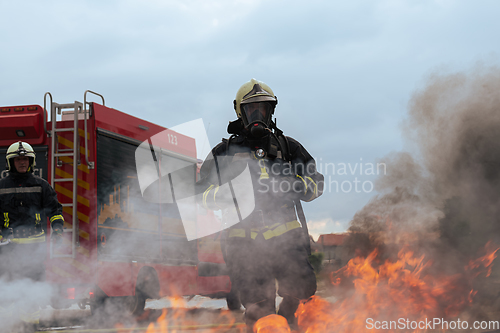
{"points": [[26, 200], [267, 232]]}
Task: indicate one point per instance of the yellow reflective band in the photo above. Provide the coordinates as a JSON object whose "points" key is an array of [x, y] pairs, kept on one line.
{"points": [[215, 193], [6, 220], [280, 230], [237, 233], [293, 225], [241, 233], [40, 238], [205, 195], [305, 183], [56, 217], [37, 218], [269, 233], [263, 171], [30, 317], [315, 191]]}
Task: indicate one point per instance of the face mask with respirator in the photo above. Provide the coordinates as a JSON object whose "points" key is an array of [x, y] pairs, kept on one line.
{"points": [[257, 118]]}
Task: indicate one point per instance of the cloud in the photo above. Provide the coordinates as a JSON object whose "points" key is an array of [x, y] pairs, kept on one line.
{"points": [[343, 71], [326, 226]]}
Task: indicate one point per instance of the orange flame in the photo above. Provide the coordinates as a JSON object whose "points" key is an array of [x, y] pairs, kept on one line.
{"points": [[317, 315], [271, 324], [484, 261], [406, 288]]}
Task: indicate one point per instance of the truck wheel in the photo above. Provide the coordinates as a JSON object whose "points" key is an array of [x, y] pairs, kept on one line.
{"points": [[135, 304], [118, 304], [147, 286], [233, 300], [97, 305]]}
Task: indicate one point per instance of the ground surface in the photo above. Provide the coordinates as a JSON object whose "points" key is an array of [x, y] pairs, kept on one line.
{"points": [[197, 314]]}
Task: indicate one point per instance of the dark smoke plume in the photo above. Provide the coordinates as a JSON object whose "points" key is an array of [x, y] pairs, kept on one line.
{"points": [[446, 192]]}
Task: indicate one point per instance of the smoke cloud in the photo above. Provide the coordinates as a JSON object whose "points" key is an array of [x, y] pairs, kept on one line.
{"points": [[20, 299], [447, 189]]}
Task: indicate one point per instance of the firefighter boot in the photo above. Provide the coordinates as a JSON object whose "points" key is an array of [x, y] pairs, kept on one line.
{"points": [[255, 311], [287, 309]]}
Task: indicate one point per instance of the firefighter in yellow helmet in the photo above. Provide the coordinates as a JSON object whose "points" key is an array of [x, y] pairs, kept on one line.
{"points": [[26, 201], [270, 244]]}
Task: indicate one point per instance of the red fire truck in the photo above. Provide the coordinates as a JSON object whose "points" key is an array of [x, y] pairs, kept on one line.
{"points": [[116, 245]]}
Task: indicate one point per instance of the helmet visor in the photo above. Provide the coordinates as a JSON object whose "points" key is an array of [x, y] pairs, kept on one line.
{"points": [[260, 111]]}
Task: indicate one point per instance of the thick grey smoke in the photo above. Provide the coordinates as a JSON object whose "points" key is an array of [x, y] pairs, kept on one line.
{"points": [[447, 190], [20, 299]]}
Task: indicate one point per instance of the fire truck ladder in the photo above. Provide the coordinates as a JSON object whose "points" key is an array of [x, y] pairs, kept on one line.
{"points": [[73, 153]]}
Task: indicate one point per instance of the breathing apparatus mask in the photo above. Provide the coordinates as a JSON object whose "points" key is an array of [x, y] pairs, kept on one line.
{"points": [[257, 118]]}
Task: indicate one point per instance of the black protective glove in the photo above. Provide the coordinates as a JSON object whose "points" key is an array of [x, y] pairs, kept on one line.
{"points": [[57, 234], [288, 186], [297, 185], [6, 235]]}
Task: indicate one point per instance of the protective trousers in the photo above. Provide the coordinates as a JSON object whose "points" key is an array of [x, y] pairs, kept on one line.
{"points": [[256, 264]]}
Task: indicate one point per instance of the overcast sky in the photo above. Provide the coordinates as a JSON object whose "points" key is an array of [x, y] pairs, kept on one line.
{"points": [[343, 71]]}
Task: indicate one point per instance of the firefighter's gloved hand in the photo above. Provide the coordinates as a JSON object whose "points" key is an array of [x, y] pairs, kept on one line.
{"points": [[57, 234], [290, 186], [3, 238], [6, 234]]}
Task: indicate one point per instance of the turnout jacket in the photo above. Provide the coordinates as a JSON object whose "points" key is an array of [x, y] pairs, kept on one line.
{"points": [[277, 182], [25, 203]]}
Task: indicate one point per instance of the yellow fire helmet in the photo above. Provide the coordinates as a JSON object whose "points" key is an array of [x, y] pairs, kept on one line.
{"points": [[254, 91], [20, 149]]}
